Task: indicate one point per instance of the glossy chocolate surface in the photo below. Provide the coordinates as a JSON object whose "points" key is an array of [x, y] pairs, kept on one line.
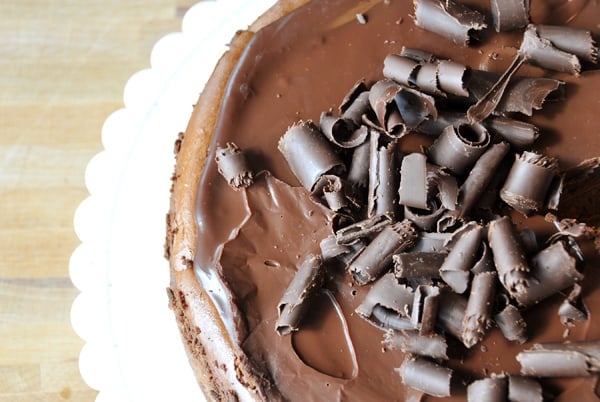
{"points": [[293, 70]]}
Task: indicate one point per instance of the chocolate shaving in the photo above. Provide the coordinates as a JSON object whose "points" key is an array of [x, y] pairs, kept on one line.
{"points": [[449, 19], [451, 77], [518, 133], [293, 305], [358, 173], [459, 147], [581, 192], [359, 88], [425, 219], [434, 128], [426, 376], [233, 166], [509, 15], [431, 242], [510, 321], [381, 99], [553, 269], [524, 95], [478, 314], [308, 154], [401, 69], [418, 264], [383, 185], [331, 249], [509, 258], [524, 389], [333, 193], [526, 187], [485, 262], [342, 132], [433, 346], [451, 313], [418, 55], [455, 270], [425, 308], [427, 79], [479, 177], [492, 389], [573, 308], [540, 51], [364, 229], [413, 181], [572, 40], [388, 304], [377, 256], [415, 107], [574, 359]]}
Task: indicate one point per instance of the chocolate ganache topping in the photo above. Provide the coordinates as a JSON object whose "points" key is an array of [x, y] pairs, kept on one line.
{"points": [[252, 239]]}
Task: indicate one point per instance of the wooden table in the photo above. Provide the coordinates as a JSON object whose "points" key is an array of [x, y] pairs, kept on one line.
{"points": [[64, 64]]}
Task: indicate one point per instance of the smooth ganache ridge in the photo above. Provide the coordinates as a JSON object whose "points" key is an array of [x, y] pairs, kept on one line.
{"points": [[418, 192]]}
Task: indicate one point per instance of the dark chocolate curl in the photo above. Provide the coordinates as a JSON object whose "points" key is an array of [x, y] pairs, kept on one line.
{"points": [[510, 321], [451, 77], [526, 187], [418, 55], [342, 132], [574, 359], [581, 192], [518, 133], [333, 192], [413, 181], [493, 389], [433, 346], [418, 264], [425, 308], [415, 107], [331, 249], [381, 99], [455, 270], [479, 177], [364, 229], [427, 79], [431, 242], [478, 314], [233, 166], [509, 15], [293, 305], [387, 299], [377, 256], [358, 89], [383, 177], [358, 173], [400, 69], [572, 40], [509, 258], [426, 376], [308, 154], [485, 262], [425, 219], [451, 313], [573, 308], [524, 95], [553, 269], [540, 51], [459, 147], [449, 19], [524, 389]]}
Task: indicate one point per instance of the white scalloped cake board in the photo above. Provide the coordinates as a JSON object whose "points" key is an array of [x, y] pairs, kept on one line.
{"points": [[133, 349]]}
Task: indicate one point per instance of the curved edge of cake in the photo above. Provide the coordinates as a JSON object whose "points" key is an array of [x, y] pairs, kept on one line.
{"points": [[222, 369]]}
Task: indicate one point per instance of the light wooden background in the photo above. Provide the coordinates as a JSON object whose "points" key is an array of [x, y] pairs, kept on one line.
{"points": [[63, 67]]}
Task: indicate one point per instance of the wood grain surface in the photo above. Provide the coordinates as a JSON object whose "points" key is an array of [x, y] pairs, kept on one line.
{"points": [[63, 67]]}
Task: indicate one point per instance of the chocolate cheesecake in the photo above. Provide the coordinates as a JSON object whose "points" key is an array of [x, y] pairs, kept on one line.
{"points": [[394, 200]]}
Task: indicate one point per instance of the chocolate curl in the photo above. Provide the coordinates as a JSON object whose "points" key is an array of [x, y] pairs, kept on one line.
{"points": [[524, 95], [308, 154], [510, 321], [524, 389], [449, 19], [364, 229], [540, 51], [479, 308], [425, 219], [413, 181], [509, 258], [574, 359], [377, 256], [355, 249], [401, 69], [518, 133], [553, 269], [426, 376], [451, 77], [418, 55], [381, 99], [459, 147], [526, 187], [425, 309], [455, 270], [509, 15], [293, 305], [355, 103], [451, 313], [342, 132], [233, 166], [333, 193], [358, 173], [415, 107], [573, 308], [479, 177], [418, 264], [427, 79], [572, 40], [388, 304], [431, 242], [485, 262], [493, 389], [383, 184], [331, 249], [581, 191], [433, 346]]}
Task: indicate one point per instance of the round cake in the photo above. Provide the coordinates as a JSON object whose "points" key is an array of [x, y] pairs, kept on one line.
{"points": [[388, 200]]}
